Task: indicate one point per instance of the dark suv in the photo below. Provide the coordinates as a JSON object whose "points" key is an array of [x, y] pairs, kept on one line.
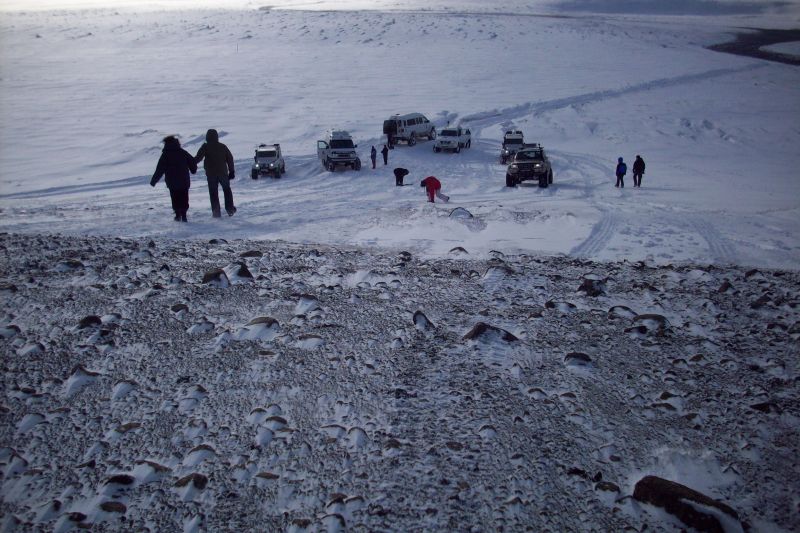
{"points": [[529, 163]]}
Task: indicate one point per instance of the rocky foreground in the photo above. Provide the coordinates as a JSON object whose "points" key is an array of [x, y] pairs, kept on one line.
{"points": [[235, 386]]}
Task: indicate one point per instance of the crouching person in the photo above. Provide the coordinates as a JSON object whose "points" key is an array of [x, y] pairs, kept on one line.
{"points": [[175, 164], [432, 186]]}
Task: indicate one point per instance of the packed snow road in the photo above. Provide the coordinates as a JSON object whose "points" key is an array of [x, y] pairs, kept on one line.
{"points": [[717, 131], [166, 385]]}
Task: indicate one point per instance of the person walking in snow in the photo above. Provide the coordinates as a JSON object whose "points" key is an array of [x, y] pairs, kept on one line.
{"points": [[432, 186], [622, 169], [219, 169], [175, 164], [638, 171], [385, 153], [373, 154], [399, 174]]}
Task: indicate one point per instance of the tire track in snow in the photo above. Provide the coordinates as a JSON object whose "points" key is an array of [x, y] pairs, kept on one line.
{"points": [[720, 248], [509, 113], [601, 234]]}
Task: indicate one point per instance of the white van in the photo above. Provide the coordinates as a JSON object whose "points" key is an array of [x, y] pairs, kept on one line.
{"points": [[408, 128]]}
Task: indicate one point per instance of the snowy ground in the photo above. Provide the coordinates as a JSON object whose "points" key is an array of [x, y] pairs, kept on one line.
{"points": [[311, 396], [87, 96]]}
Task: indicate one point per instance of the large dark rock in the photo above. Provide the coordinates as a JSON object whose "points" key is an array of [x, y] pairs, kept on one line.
{"points": [[592, 286], [678, 500], [217, 278], [483, 331]]}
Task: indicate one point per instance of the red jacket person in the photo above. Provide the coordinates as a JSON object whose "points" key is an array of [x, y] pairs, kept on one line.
{"points": [[432, 185]]}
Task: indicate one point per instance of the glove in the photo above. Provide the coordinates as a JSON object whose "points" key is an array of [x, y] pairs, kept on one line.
{"points": [[231, 176]]}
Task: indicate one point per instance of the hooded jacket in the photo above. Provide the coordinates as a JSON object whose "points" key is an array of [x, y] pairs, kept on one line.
{"points": [[217, 159], [638, 165], [175, 163]]}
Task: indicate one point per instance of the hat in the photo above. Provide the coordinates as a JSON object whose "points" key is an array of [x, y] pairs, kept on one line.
{"points": [[619, 160]]}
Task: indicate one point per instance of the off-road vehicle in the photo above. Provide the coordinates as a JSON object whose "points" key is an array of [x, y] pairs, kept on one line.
{"points": [[529, 163], [512, 142], [453, 138], [267, 161], [408, 128], [338, 150]]}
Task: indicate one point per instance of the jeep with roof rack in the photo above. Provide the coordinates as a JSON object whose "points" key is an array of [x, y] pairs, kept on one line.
{"points": [[529, 163], [338, 150], [268, 161]]}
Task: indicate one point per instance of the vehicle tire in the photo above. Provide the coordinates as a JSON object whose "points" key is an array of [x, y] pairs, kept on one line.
{"points": [[432, 134], [330, 166], [502, 160], [543, 181], [357, 165], [550, 178], [412, 140], [469, 143], [458, 149], [510, 182], [254, 174], [437, 149]]}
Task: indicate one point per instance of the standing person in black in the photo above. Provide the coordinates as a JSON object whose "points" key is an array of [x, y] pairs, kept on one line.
{"points": [[175, 164], [385, 153], [373, 154], [219, 171], [622, 169], [638, 171]]}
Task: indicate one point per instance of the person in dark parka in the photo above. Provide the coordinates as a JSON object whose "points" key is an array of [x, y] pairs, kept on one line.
{"points": [[622, 169], [638, 171], [373, 154], [399, 174], [175, 164], [219, 169], [385, 154]]}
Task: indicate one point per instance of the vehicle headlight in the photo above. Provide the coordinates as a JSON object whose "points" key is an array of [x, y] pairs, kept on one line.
{"points": [[537, 166], [272, 165], [257, 166], [506, 151], [513, 169]]}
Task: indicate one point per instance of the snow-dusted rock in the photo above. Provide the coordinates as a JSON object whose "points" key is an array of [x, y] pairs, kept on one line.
{"points": [[691, 507]]}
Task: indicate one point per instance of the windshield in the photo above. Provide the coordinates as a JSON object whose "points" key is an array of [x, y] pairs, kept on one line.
{"points": [[342, 143], [513, 141], [529, 155], [266, 153], [448, 133]]}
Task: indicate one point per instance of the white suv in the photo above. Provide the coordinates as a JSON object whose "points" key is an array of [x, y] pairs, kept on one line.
{"points": [[453, 138], [338, 150], [408, 128]]}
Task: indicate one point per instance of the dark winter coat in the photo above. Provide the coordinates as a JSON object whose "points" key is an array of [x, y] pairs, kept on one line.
{"points": [[638, 166], [400, 172], [373, 153], [622, 169], [384, 151], [218, 159], [175, 163]]}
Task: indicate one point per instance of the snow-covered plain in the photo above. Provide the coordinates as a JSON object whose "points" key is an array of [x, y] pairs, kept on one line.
{"points": [[88, 95], [336, 386]]}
